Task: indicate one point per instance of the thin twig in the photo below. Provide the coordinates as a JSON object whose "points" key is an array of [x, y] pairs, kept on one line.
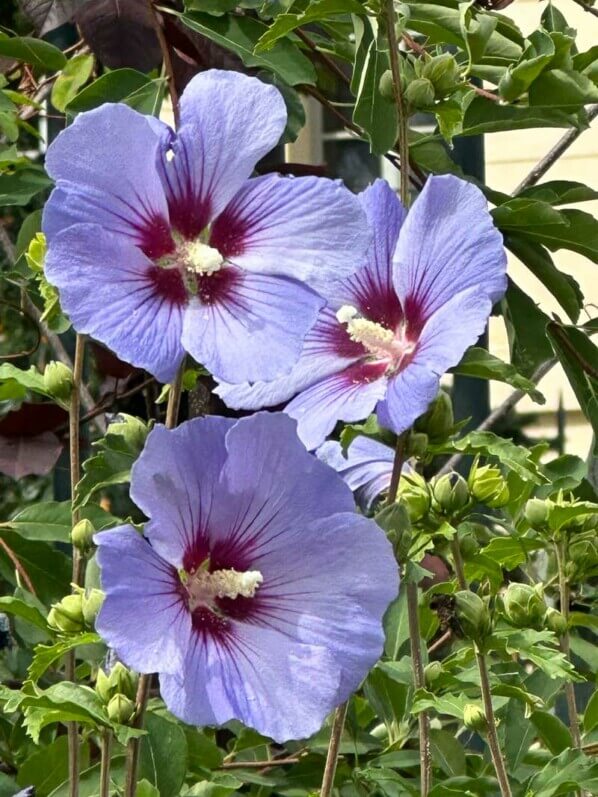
{"points": [[58, 349], [442, 640], [333, 749], [23, 574], [401, 105], [274, 762], [326, 60], [586, 7], [78, 561], [499, 413], [560, 549], [493, 743], [168, 70], [555, 153], [106, 750]]}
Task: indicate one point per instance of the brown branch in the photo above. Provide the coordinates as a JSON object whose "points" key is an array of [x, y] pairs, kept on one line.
{"points": [[586, 7], [555, 153], [274, 762], [326, 60], [18, 566], [168, 70], [442, 640]]}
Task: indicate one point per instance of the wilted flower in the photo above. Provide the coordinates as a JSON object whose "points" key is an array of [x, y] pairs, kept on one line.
{"points": [[366, 466], [257, 591], [391, 330], [160, 243]]}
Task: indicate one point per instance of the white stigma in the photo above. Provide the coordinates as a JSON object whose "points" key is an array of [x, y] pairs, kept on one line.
{"points": [[202, 259], [204, 587]]}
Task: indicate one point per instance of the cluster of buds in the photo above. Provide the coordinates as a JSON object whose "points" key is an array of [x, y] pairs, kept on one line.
{"points": [[414, 495], [524, 606], [450, 495], [425, 81], [488, 486], [117, 691], [473, 616], [561, 513], [77, 612]]}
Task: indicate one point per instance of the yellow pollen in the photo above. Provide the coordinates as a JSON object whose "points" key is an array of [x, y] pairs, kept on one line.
{"points": [[202, 259], [204, 587], [373, 336]]}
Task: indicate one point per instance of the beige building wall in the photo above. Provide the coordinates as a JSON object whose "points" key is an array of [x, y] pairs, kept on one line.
{"points": [[509, 157]]}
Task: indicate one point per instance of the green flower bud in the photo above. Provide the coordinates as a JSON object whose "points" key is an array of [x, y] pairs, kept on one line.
{"points": [[474, 718], [414, 494], [102, 687], [488, 485], [473, 615], [555, 622], [417, 444], [420, 93], [524, 605], [450, 494], [443, 71], [67, 616], [438, 421], [536, 513], [58, 381], [92, 603], [468, 545], [432, 672], [386, 86], [120, 709], [82, 535]]}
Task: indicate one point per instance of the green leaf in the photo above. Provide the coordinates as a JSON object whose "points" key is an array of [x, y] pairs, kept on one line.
{"points": [[31, 379], [118, 450], [146, 789], [38, 53], [62, 702], [555, 735], [508, 552], [562, 88], [47, 767], [590, 715], [451, 705], [488, 444], [316, 11], [75, 74], [19, 608], [563, 287], [520, 212], [526, 325], [46, 655], [241, 35], [480, 363], [373, 112], [221, 786], [567, 772], [388, 698], [48, 569], [447, 752], [535, 58], [540, 647], [163, 755], [121, 85], [579, 357], [20, 186], [51, 521], [560, 192], [485, 116], [579, 234]]}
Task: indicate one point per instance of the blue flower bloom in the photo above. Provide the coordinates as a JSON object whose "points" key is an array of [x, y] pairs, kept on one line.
{"points": [[366, 466], [159, 242], [257, 592], [392, 329]]}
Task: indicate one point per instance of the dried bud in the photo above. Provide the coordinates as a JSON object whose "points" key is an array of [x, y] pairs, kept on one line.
{"points": [[443, 71], [67, 616], [450, 494], [536, 513], [473, 615], [474, 718], [92, 603], [555, 622], [58, 381], [414, 495], [420, 93], [120, 709], [438, 421], [82, 535], [488, 485], [524, 605], [432, 672]]}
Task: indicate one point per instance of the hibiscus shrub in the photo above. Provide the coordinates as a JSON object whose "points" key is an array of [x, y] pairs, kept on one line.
{"points": [[246, 547]]}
